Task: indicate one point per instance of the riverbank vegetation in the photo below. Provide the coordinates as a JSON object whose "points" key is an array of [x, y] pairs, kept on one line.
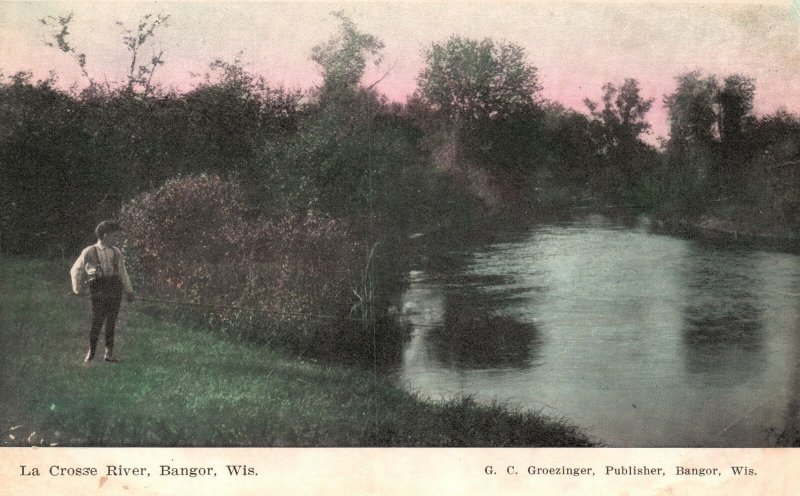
{"points": [[350, 176], [180, 387], [727, 168]]}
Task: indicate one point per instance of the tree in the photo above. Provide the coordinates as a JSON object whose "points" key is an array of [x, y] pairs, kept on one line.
{"points": [[623, 113], [691, 109], [481, 102], [701, 110], [343, 58], [59, 25], [43, 155], [570, 146], [347, 154], [140, 75], [709, 125], [619, 124], [232, 113], [735, 108], [467, 79], [778, 134]]}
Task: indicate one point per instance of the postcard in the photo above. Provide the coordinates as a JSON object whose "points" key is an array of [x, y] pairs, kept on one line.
{"points": [[385, 247]]}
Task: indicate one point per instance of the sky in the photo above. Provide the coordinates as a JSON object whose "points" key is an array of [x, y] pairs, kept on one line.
{"points": [[577, 47]]}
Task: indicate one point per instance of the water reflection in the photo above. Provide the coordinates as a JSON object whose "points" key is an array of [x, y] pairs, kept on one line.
{"points": [[462, 328], [640, 339], [791, 430], [787, 315], [723, 330]]}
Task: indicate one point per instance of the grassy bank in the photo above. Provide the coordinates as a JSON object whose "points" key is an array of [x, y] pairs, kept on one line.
{"points": [[180, 386]]}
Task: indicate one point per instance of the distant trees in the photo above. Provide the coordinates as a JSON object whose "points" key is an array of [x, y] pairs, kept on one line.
{"points": [[620, 123], [71, 158], [341, 150], [622, 114], [328, 165], [735, 109], [691, 110], [773, 175], [709, 127], [725, 160], [234, 114], [704, 111], [485, 97], [624, 162], [778, 134]]}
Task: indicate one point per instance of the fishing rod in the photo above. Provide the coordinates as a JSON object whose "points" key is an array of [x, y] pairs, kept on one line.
{"points": [[243, 309]]}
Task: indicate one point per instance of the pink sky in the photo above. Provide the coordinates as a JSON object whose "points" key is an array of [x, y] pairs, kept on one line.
{"points": [[576, 47]]}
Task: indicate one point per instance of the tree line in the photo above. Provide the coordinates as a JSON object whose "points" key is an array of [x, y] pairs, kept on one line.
{"points": [[476, 136]]}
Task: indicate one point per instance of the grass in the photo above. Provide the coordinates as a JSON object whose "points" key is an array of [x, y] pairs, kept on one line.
{"points": [[180, 386]]}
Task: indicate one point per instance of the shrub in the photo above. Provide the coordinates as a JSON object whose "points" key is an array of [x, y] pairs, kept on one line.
{"points": [[195, 240]]}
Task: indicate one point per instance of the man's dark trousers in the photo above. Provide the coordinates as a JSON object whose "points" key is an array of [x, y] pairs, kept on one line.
{"points": [[106, 297]]}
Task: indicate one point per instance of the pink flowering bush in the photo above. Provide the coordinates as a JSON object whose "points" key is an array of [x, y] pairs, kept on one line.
{"points": [[194, 240]]}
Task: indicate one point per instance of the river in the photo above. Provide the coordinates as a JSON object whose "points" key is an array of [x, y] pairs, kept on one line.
{"points": [[639, 339]]}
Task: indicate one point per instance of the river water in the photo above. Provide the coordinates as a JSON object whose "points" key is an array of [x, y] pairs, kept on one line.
{"points": [[639, 339]]}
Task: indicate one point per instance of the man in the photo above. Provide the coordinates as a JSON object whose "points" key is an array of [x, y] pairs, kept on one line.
{"points": [[101, 267]]}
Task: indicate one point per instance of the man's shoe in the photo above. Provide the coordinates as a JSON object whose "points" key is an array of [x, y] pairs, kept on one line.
{"points": [[111, 358], [89, 357]]}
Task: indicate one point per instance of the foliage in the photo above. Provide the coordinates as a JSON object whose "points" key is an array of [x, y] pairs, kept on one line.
{"points": [[343, 58], [475, 129], [710, 119], [234, 114], [691, 109], [703, 111], [570, 146], [623, 113], [140, 75], [347, 163], [59, 27], [470, 79], [139, 79], [73, 160], [725, 161], [42, 151], [773, 178], [196, 241], [735, 109], [477, 103], [625, 159]]}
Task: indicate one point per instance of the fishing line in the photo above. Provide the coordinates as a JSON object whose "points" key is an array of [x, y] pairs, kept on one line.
{"points": [[253, 310], [243, 309], [287, 314]]}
